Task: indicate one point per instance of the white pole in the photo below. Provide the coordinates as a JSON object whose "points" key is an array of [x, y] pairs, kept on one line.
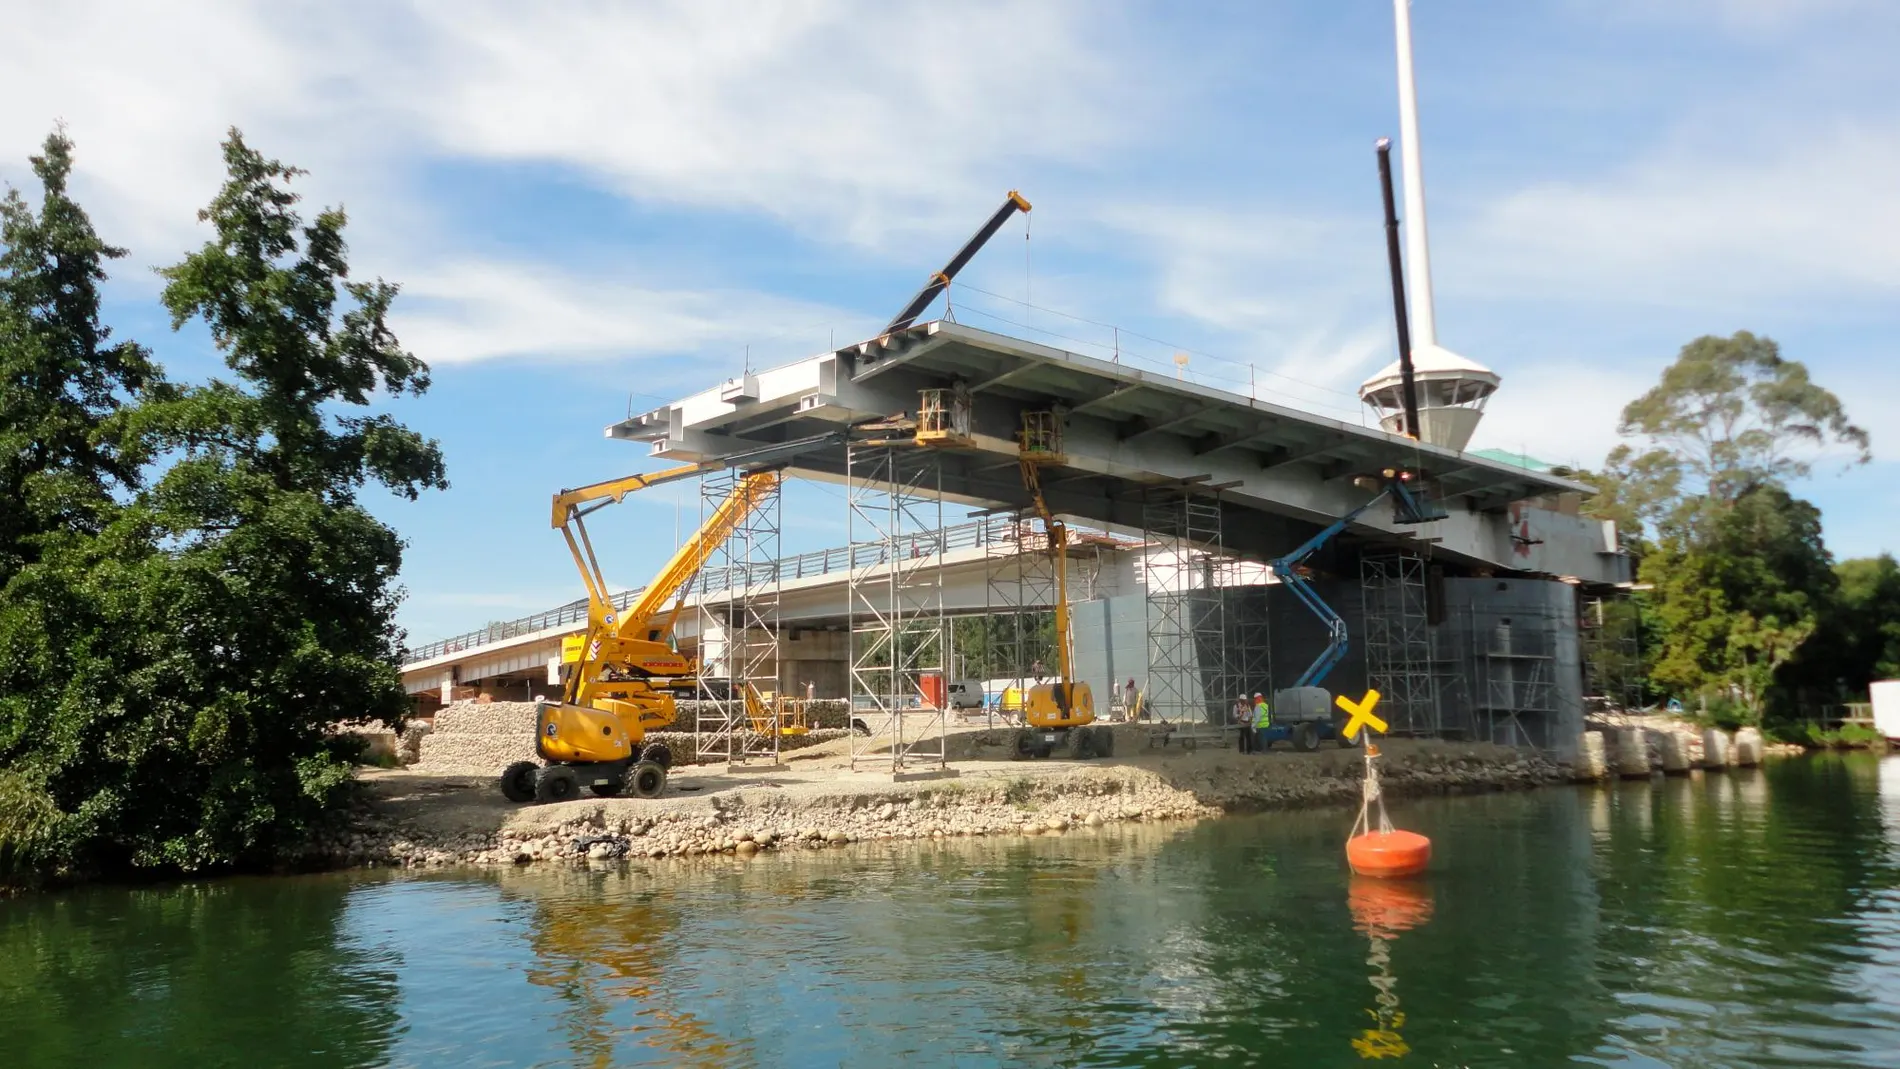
{"points": [[1417, 251]]}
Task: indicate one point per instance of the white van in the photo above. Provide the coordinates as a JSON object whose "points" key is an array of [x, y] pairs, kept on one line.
{"points": [[965, 694]]}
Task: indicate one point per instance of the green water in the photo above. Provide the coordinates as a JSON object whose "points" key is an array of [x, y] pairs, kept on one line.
{"points": [[1740, 920]]}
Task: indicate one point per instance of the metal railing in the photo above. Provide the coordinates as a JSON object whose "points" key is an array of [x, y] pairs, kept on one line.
{"points": [[976, 533]]}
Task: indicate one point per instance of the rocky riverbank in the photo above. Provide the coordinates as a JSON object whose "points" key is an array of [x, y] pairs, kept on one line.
{"points": [[417, 819]]}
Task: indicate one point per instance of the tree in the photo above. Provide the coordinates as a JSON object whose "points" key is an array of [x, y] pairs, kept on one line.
{"points": [[67, 457], [1858, 637], [61, 378], [1728, 414], [185, 661], [1738, 598]]}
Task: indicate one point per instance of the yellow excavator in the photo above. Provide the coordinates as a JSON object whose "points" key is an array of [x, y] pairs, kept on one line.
{"points": [[1062, 713], [622, 672]]}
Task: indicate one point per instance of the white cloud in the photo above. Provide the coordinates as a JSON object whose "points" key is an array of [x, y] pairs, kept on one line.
{"points": [[850, 119], [1562, 413], [477, 309], [1697, 223]]}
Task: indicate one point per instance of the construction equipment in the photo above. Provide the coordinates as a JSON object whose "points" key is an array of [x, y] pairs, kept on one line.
{"points": [[618, 688], [1059, 713], [1303, 713], [940, 280]]}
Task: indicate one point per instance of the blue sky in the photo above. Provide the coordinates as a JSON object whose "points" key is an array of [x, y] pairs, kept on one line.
{"points": [[598, 206]]}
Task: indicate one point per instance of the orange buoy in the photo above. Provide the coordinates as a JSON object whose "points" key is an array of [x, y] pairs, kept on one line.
{"points": [[1376, 848], [1389, 853]]}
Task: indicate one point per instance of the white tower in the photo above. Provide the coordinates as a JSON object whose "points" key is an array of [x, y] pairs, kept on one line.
{"points": [[1452, 390]]}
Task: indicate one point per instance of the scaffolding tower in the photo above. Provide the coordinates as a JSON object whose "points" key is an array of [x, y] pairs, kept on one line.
{"points": [[1510, 678], [894, 588], [1187, 661], [1019, 592], [1610, 627], [738, 632], [1401, 661]]}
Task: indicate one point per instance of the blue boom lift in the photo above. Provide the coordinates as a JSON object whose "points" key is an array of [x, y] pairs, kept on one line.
{"points": [[1303, 712]]}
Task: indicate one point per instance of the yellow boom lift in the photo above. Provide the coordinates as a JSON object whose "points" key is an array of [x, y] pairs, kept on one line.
{"points": [[620, 679], [1059, 713]]}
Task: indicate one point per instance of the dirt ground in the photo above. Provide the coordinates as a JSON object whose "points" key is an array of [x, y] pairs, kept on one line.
{"points": [[450, 806]]}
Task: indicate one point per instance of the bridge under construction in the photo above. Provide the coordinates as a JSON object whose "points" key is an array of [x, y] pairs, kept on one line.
{"points": [[1472, 624]]}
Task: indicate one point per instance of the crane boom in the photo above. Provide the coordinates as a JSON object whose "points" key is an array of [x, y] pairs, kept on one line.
{"points": [[940, 280]]}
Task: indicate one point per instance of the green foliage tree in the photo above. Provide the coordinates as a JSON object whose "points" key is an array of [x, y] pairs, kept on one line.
{"points": [[1728, 414], [1741, 578], [1738, 599], [182, 664], [67, 460], [62, 379]]}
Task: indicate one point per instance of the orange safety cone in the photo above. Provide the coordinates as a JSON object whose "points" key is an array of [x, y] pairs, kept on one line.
{"points": [[1382, 850]]}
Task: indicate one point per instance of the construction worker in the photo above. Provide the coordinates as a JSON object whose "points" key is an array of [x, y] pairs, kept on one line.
{"points": [[1243, 720], [1131, 700], [1262, 720]]}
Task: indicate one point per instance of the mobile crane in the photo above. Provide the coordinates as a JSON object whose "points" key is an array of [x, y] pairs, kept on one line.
{"points": [[619, 686], [1059, 713]]}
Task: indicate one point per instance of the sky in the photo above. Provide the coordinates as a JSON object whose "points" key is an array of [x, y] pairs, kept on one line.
{"points": [[595, 208]]}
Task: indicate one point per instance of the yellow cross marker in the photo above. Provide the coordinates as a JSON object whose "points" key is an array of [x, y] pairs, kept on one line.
{"points": [[1361, 712]]}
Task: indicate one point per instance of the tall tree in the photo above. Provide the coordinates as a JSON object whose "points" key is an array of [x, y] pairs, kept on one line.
{"points": [[62, 378], [206, 638], [1740, 596], [1729, 413], [67, 458]]}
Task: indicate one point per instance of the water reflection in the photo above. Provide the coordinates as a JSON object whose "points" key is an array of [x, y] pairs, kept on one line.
{"points": [[194, 975], [1667, 922], [1381, 909]]}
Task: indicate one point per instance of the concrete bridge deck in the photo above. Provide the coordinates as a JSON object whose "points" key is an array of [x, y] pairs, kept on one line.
{"points": [[1281, 472]]}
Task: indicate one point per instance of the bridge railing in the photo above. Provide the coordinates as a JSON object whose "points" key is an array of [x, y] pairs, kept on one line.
{"points": [[993, 530]]}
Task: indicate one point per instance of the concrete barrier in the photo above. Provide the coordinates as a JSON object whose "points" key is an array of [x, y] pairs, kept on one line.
{"points": [[1748, 748], [1715, 748], [1675, 752], [1593, 760], [1632, 754]]}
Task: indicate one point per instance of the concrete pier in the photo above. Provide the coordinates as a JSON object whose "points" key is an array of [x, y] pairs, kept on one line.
{"points": [[1632, 754], [1715, 748], [1593, 761], [1675, 752], [1748, 748]]}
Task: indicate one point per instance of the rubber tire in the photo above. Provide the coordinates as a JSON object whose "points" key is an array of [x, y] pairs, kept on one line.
{"points": [[556, 783], [659, 753], [647, 779], [1306, 736], [608, 790], [1105, 741], [859, 728], [1344, 743], [1025, 744], [1076, 744], [517, 781], [1045, 750]]}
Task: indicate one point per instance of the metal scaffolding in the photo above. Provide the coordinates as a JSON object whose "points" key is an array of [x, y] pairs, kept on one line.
{"points": [[1401, 659], [1509, 680], [899, 630], [1019, 589], [738, 632], [1248, 663], [1187, 663], [1610, 627]]}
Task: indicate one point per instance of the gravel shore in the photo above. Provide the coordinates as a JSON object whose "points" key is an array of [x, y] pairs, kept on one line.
{"points": [[422, 819]]}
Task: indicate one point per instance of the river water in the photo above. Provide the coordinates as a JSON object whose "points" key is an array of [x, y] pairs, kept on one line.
{"points": [[1729, 920]]}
